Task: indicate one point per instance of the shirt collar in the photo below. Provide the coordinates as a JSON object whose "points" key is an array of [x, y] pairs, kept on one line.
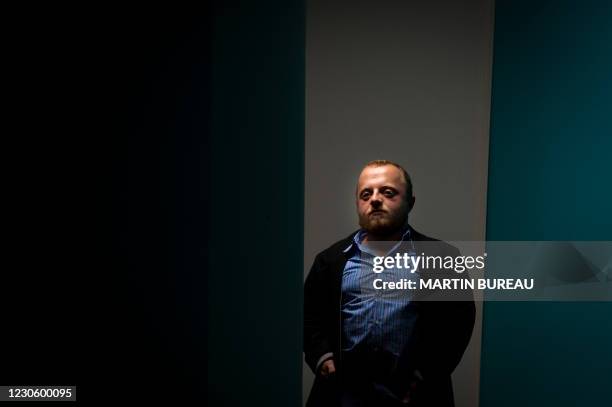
{"points": [[358, 238]]}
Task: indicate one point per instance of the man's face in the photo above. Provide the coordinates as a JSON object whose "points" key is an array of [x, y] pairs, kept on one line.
{"points": [[381, 200]]}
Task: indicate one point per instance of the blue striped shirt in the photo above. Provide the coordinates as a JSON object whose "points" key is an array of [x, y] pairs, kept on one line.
{"points": [[376, 319]]}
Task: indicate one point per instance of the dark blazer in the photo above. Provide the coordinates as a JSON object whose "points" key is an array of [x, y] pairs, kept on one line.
{"points": [[443, 329]]}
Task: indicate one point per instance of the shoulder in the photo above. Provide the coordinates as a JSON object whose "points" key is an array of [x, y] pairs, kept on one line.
{"points": [[337, 249], [330, 258], [435, 245]]}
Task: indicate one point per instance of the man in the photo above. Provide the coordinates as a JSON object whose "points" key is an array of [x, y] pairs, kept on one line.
{"points": [[368, 349]]}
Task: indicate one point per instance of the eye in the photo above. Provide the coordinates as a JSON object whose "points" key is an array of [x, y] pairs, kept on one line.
{"points": [[365, 195], [389, 193]]}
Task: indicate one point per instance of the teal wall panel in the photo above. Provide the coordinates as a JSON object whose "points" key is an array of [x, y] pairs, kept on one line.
{"points": [[550, 178]]}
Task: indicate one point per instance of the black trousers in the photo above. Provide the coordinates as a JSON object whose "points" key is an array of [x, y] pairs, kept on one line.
{"points": [[368, 378]]}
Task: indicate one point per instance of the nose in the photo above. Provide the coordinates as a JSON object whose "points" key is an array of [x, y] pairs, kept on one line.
{"points": [[376, 201]]}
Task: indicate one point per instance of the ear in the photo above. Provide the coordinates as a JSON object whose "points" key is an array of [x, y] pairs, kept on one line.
{"points": [[411, 203]]}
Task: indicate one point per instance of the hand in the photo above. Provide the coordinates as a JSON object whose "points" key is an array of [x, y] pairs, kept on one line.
{"points": [[408, 397], [328, 368]]}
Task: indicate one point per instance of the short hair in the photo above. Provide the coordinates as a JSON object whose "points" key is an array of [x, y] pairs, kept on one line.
{"points": [[407, 180]]}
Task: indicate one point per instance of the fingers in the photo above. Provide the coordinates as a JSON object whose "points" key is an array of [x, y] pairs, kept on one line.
{"points": [[328, 368], [407, 397]]}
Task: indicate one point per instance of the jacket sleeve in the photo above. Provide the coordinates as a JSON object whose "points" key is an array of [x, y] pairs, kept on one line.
{"points": [[449, 326], [448, 339], [317, 346]]}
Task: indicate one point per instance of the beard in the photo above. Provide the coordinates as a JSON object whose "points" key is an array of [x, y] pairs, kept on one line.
{"points": [[386, 223]]}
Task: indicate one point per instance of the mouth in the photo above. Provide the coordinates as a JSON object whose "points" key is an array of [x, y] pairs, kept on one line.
{"points": [[377, 212]]}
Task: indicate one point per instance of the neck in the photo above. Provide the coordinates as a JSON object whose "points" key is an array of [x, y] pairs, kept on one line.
{"points": [[395, 236]]}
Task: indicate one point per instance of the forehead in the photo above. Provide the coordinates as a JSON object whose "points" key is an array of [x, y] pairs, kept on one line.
{"points": [[379, 176]]}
